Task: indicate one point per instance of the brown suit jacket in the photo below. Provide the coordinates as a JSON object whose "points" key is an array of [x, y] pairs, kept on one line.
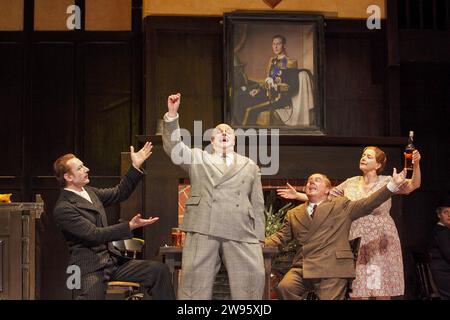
{"points": [[324, 247]]}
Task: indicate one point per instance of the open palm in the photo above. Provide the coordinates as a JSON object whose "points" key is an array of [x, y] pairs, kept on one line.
{"points": [[288, 193], [138, 158]]}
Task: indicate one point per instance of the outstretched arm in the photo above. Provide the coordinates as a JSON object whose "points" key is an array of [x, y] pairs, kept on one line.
{"points": [[365, 206], [291, 193], [137, 221]]}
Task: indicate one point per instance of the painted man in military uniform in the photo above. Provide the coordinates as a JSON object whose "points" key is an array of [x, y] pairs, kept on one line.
{"points": [[277, 89]]}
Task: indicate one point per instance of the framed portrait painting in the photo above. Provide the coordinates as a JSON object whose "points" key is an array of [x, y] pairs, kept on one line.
{"points": [[274, 72]]}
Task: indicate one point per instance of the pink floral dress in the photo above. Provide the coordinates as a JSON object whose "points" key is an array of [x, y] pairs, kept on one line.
{"points": [[379, 269]]}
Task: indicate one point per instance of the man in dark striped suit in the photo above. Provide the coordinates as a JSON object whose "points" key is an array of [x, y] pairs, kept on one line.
{"points": [[80, 214]]}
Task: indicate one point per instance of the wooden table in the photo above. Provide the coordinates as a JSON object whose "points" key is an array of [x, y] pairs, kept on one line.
{"points": [[172, 257]]}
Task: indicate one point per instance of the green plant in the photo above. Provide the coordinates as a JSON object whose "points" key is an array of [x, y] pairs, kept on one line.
{"points": [[274, 222], [274, 219]]}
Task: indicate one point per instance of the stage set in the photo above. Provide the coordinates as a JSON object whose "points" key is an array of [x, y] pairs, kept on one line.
{"points": [[306, 86]]}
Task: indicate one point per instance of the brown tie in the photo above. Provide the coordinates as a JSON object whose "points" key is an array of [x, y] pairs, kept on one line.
{"points": [[313, 211], [223, 164]]}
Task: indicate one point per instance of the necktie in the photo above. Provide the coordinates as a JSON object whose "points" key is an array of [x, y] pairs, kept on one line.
{"points": [[223, 163], [313, 211]]}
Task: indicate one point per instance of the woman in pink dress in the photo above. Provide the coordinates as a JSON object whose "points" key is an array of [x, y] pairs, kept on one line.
{"points": [[379, 269]]}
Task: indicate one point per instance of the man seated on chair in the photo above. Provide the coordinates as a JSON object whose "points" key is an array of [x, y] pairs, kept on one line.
{"points": [[440, 250], [80, 214], [324, 261], [278, 88]]}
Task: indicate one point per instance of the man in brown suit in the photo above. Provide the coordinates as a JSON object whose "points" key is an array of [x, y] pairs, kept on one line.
{"points": [[324, 262]]}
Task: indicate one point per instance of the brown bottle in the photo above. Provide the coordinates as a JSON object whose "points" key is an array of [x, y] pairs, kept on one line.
{"points": [[409, 152]]}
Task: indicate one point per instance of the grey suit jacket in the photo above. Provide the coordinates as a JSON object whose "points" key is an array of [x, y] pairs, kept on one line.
{"points": [[228, 204], [324, 246]]}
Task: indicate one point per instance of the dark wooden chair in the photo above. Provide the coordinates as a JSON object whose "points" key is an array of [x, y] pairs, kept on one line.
{"points": [[126, 289], [427, 287]]}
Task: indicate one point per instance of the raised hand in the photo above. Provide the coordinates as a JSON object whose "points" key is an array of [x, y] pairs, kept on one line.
{"points": [[416, 158], [398, 178], [173, 103], [414, 183], [138, 158], [287, 193], [137, 221]]}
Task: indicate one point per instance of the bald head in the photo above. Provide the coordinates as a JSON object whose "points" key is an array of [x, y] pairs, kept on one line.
{"points": [[223, 138]]}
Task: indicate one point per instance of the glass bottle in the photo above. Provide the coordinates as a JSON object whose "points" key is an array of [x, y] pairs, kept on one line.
{"points": [[409, 152]]}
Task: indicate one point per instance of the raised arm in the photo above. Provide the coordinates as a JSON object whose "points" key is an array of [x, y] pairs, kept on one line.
{"points": [[175, 148], [291, 193], [365, 206], [123, 190], [416, 179]]}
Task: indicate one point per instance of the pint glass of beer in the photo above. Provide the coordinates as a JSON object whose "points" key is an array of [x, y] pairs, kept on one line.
{"points": [[177, 236]]}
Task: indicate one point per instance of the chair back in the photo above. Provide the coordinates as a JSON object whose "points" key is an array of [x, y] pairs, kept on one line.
{"points": [[427, 287], [119, 245], [134, 246], [129, 246], [131, 290]]}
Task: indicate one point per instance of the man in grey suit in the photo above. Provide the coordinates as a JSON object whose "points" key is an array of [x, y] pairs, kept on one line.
{"points": [[80, 215], [224, 218], [324, 261]]}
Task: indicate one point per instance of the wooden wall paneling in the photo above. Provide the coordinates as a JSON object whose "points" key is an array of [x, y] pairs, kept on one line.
{"points": [[137, 71], [11, 90], [28, 23], [52, 255], [161, 199], [106, 106], [15, 245], [354, 98], [53, 109], [183, 55], [392, 83]]}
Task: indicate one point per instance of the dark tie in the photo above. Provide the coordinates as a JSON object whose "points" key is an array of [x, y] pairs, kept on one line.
{"points": [[313, 211]]}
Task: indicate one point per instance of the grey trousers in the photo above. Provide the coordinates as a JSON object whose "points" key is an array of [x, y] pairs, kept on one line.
{"points": [[294, 287], [202, 257]]}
